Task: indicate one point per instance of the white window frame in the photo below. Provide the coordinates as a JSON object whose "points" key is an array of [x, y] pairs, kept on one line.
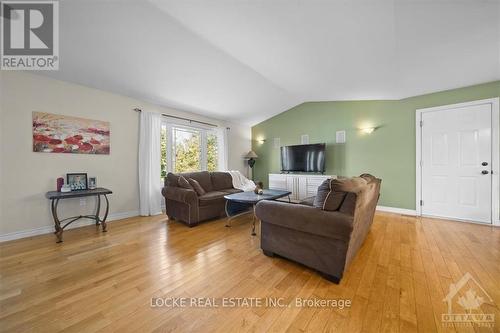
{"points": [[203, 130]]}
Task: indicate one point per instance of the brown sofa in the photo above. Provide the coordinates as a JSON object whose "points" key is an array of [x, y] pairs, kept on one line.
{"points": [[326, 240], [186, 205]]}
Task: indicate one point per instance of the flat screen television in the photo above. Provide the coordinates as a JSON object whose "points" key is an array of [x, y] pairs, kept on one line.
{"points": [[303, 158]]}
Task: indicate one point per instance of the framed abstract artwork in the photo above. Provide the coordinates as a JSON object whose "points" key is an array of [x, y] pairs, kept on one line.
{"points": [[54, 133]]}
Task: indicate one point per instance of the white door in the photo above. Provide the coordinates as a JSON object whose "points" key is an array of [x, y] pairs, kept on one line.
{"points": [[456, 163]]}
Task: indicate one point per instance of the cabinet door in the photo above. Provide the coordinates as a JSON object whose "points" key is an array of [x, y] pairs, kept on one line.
{"points": [[313, 182], [278, 182], [291, 185], [302, 188]]}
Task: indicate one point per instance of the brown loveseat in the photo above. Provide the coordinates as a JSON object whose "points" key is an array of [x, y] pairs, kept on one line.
{"points": [[324, 233], [191, 207]]}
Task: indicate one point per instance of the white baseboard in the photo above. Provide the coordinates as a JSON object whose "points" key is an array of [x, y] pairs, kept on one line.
{"points": [[123, 215], [50, 228], [119, 216], [402, 211]]}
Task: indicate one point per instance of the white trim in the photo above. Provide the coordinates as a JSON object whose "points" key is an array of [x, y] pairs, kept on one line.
{"points": [[395, 210], [203, 131], [495, 153], [122, 215], [50, 228], [454, 219]]}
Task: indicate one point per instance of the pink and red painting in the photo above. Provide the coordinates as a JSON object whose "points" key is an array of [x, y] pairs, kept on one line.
{"points": [[54, 133]]}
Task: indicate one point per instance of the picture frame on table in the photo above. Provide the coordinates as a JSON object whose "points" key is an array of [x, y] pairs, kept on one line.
{"points": [[92, 183], [77, 181]]}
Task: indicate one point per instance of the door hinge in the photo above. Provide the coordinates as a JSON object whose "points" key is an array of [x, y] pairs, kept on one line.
{"points": [[421, 202], [421, 123]]}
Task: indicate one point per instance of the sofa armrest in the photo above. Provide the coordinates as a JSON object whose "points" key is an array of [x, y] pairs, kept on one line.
{"points": [[306, 219], [180, 194]]}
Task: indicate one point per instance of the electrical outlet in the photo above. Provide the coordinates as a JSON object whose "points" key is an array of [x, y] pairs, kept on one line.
{"points": [[83, 202]]}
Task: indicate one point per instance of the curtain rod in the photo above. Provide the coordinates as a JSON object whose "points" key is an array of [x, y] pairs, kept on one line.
{"points": [[181, 118]]}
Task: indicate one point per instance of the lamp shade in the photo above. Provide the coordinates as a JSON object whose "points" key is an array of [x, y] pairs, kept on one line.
{"points": [[251, 154]]}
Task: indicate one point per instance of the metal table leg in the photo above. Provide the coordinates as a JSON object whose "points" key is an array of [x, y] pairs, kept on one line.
{"points": [[228, 220], [230, 215], [97, 220], [103, 221], [57, 224], [253, 221]]}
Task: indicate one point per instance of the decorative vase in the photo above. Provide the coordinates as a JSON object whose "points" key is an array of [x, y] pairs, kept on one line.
{"points": [[60, 183]]}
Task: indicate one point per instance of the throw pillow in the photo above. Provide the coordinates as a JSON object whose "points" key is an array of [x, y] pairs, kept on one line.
{"points": [[183, 182], [172, 180], [328, 198], [353, 186], [349, 204], [197, 187]]}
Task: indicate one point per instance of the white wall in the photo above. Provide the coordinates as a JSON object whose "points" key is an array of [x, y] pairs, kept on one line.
{"points": [[25, 176]]}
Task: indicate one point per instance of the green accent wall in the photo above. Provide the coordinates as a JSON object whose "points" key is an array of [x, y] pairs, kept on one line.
{"points": [[388, 152]]}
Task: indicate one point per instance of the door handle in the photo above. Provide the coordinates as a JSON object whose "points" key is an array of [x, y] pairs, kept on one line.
{"points": [[485, 172], [484, 163]]}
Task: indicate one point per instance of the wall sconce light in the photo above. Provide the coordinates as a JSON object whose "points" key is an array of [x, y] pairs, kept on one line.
{"points": [[261, 141], [368, 130]]}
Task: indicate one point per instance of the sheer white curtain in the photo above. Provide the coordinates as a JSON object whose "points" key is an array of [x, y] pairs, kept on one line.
{"points": [[223, 150], [149, 164]]}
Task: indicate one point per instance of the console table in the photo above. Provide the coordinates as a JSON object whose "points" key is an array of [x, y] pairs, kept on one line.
{"points": [[55, 196]]}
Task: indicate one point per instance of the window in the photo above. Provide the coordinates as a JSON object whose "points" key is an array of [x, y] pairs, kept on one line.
{"points": [[212, 151], [163, 151], [188, 149]]}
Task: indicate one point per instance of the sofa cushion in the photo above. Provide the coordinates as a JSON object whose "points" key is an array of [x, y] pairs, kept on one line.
{"points": [[305, 218], [196, 186], [210, 198], [231, 190], [221, 180], [328, 198], [202, 177], [183, 182]]}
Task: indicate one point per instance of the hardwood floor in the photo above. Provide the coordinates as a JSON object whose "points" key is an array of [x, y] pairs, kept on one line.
{"points": [[95, 282]]}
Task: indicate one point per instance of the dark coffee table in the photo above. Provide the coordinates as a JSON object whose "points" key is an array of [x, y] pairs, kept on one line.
{"points": [[240, 203]]}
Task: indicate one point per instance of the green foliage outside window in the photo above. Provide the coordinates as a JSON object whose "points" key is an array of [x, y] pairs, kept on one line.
{"points": [[187, 148], [163, 151], [211, 152], [187, 151]]}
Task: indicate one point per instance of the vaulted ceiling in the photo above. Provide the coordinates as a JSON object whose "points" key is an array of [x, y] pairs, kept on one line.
{"points": [[245, 61]]}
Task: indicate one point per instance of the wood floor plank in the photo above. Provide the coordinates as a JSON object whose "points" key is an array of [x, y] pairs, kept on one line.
{"points": [[95, 282]]}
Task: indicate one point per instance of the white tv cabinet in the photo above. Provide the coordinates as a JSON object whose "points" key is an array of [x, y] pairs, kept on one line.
{"points": [[301, 185]]}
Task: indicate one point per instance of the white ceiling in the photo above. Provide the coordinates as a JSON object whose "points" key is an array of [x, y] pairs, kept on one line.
{"points": [[245, 61]]}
